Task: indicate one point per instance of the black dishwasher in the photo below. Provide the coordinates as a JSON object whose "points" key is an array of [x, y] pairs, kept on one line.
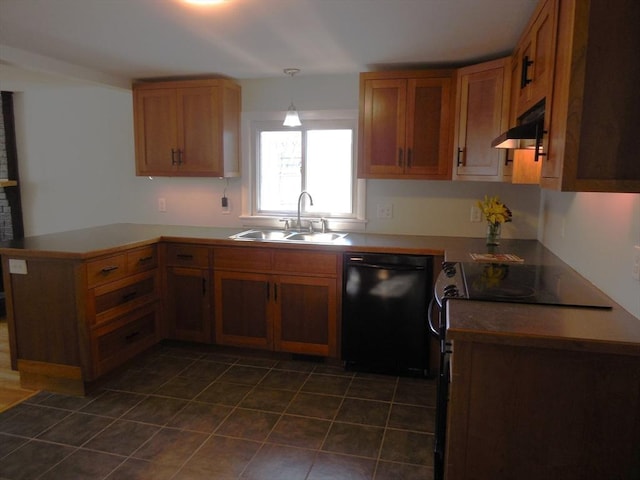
{"points": [[384, 314]]}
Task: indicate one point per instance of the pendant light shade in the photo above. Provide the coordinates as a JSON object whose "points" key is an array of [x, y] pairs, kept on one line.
{"points": [[292, 119]]}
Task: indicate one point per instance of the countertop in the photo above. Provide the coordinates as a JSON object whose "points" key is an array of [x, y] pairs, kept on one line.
{"points": [[613, 331]]}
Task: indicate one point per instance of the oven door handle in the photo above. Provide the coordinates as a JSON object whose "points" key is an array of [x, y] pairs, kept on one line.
{"points": [[434, 331]]}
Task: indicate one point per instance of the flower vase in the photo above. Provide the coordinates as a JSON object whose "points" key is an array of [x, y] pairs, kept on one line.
{"points": [[493, 233]]}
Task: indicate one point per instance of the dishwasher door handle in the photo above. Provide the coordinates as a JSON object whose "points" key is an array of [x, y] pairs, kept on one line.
{"points": [[383, 266]]}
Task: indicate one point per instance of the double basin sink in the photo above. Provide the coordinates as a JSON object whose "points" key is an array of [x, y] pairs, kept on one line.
{"points": [[289, 236]]}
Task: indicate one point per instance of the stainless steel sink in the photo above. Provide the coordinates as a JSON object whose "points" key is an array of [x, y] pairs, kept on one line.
{"points": [[316, 237], [261, 235], [288, 236]]}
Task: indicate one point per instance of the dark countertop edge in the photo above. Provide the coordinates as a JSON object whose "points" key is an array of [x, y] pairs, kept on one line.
{"points": [[613, 331]]}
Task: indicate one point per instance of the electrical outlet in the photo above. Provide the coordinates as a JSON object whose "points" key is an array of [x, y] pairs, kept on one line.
{"points": [[385, 211], [476, 214], [635, 272], [162, 204]]}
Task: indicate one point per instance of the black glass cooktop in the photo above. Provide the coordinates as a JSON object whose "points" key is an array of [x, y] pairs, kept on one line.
{"points": [[523, 283]]}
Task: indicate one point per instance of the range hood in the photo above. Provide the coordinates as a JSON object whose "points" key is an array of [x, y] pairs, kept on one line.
{"points": [[516, 137], [527, 134]]}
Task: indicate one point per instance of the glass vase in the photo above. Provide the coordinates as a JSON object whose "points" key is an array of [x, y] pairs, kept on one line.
{"points": [[493, 233]]}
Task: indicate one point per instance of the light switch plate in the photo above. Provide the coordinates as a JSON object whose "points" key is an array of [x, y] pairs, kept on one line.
{"points": [[635, 272], [18, 266]]}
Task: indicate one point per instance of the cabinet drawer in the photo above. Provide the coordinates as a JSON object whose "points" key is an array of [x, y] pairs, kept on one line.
{"points": [[305, 262], [106, 269], [127, 292], [237, 258], [187, 255], [124, 339], [142, 259]]}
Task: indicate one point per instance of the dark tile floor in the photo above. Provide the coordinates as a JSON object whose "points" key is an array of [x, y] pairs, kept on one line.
{"points": [[182, 412]]}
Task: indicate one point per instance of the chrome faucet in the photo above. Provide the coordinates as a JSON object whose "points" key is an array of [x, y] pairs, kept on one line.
{"points": [[303, 193]]}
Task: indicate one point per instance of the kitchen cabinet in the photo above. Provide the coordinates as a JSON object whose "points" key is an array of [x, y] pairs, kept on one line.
{"points": [[534, 56], [529, 412], [187, 128], [123, 308], [593, 113], [482, 113], [406, 124], [282, 300], [100, 312], [188, 293]]}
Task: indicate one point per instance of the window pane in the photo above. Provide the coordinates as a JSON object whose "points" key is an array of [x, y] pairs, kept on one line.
{"points": [[280, 175], [329, 170]]}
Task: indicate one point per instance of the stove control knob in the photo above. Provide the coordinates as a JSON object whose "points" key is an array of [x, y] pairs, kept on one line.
{"points": [[449, 268]]}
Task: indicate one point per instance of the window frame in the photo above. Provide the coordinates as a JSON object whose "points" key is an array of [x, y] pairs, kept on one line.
{"points": [[256, 122]]}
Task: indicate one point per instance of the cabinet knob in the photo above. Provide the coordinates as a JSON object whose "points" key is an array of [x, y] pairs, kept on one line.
{"points": [[459, 161]]}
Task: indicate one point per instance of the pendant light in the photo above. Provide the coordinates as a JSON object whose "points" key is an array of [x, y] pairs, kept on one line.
{"points": [[292, 119]]}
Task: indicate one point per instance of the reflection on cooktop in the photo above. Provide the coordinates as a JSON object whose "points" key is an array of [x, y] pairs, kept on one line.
{"points": [[523, 283]]}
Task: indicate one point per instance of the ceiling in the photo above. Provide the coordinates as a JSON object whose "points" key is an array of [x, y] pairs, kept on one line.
{"points": [[244, 39]]}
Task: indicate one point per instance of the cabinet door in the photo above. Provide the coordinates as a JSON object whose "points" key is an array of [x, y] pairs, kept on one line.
{"points": [[536, 58], [429, 127], [383, 117], [305, 318], [156, 138], [243, 303], [198, 131], [188, 298], [482, 115]]}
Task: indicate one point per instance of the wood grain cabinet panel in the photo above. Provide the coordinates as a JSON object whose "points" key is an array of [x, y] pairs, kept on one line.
{"points": [[188, 293], [482, 113], [531, 413], [243, 309], [187, 128], [535, 57], [406, 124], [283, 300], [593, 113]]}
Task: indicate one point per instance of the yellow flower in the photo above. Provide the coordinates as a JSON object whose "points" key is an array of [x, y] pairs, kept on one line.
{"points": [[494, 210]]}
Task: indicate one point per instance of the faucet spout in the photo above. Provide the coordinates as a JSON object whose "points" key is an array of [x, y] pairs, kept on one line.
{"points": [[302, 194]]}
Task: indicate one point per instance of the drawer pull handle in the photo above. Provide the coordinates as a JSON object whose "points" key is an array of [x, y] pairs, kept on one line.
{"points": [[131, 337], [145, 259], [128, 296], [109, 268], [185, 256]]}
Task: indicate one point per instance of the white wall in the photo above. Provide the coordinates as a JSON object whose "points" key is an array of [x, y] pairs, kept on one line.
{"points": [[595, 234], [76, 161]]}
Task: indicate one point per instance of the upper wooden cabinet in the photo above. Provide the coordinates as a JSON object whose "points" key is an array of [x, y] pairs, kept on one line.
{"points": [[482, 113], [406, 124], [534, 57], [593, 128], [187, 128]]}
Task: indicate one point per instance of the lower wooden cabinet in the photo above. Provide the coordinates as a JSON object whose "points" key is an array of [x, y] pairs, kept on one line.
{"points": [[187, 293], [531, 413], [304, 317], [295, 313], [242, 309], [124, 338]]}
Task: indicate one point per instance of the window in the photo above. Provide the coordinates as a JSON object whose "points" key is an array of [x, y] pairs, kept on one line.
{"points": [[318, 156]]}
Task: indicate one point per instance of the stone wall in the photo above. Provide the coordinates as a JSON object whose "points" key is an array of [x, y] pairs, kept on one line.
{"points": [[6, 228]]}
